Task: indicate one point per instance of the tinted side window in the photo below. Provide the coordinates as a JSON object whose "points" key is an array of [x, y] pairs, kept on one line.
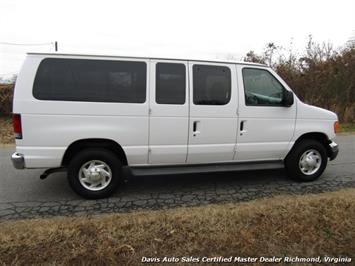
{"points": [[212, 85], [170, 83], [90, 81], [262, 88]]}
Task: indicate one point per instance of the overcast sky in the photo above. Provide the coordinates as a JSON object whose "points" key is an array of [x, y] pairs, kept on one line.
{"points": [[178, 28]]}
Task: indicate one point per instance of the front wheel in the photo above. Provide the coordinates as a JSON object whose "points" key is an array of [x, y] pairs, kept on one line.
{"points": [[94, 173], [307, 161]]}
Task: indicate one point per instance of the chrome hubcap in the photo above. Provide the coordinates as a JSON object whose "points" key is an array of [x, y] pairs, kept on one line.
{"points": [[310, 162], [95, 175]]}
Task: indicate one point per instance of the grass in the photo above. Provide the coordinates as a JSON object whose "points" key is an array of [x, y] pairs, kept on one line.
{"points": [[347, 127], [6, 130], [310, 225]]}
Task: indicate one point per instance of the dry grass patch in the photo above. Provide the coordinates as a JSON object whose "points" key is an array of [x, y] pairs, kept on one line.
{"points": [[309, 225], [6, 130]]}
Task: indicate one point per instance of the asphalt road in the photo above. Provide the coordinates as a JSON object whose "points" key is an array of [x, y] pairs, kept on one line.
{"points": [[24, 195]]}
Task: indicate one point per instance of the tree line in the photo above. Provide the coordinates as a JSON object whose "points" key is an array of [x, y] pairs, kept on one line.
{"points": [[321, 75]]}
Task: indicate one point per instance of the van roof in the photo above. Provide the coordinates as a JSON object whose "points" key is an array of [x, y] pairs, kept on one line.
{"points": [[148, 57]]}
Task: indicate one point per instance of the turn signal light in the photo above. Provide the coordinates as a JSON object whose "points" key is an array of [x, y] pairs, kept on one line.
{"points": [[336, 127]]}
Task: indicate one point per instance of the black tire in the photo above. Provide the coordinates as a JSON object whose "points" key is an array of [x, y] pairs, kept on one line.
{"points": [[84, 156], [293, 158]]}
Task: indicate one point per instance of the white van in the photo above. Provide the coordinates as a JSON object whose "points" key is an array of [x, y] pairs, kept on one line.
{"points": [[102, 118]]}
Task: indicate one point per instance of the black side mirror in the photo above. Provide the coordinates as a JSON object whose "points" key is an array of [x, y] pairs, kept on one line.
{"points": [[288, 98]]}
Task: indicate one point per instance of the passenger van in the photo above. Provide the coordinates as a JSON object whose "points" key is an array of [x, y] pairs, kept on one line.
{"points": [[103, 118]]}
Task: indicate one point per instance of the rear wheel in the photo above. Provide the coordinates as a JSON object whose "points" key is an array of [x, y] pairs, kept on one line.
{"points": [[94, 173], [307, 160]]}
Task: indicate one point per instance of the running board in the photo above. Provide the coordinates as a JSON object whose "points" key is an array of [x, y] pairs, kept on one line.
{"points": [[201, 168]]}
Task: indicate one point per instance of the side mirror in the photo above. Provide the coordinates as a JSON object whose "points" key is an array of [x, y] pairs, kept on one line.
{"points": [[288, 98]]}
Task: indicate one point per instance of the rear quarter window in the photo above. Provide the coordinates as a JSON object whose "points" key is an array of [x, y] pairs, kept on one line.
{"points": [[89, 80]]}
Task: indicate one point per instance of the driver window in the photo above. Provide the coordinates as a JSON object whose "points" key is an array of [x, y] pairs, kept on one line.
{"points": [[262, 88]]}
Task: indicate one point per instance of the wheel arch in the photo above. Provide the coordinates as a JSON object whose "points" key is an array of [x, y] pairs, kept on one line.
{"points": [[318, 136], [79, 145]]}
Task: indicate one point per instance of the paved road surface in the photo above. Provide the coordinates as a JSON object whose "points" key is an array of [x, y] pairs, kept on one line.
{"points": [[24, 195]]}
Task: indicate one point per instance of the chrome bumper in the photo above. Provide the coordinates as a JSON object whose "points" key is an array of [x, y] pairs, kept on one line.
{"points": [[18, 160], [333, 150]]}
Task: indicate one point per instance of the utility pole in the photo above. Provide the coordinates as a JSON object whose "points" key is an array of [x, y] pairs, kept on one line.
{"points": [[56, 46]]}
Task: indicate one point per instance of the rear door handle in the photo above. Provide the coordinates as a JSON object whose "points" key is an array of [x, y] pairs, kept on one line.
{"points": [[242, 128], [195, 130]]}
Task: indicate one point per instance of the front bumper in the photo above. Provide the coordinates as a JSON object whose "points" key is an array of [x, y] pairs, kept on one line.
{"points": [[333, 150], [18, 160]]}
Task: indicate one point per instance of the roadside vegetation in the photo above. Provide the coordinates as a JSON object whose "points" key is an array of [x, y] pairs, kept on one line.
{"points": [[347, 127], [310, 225], [6, 130], [321, 75]]}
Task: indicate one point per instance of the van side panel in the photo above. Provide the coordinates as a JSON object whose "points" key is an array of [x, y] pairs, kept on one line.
{"points": [[49, 127]]}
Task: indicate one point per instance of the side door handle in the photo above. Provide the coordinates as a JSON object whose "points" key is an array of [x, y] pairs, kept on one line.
{"points": [[195, 130], [242, 128]]}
